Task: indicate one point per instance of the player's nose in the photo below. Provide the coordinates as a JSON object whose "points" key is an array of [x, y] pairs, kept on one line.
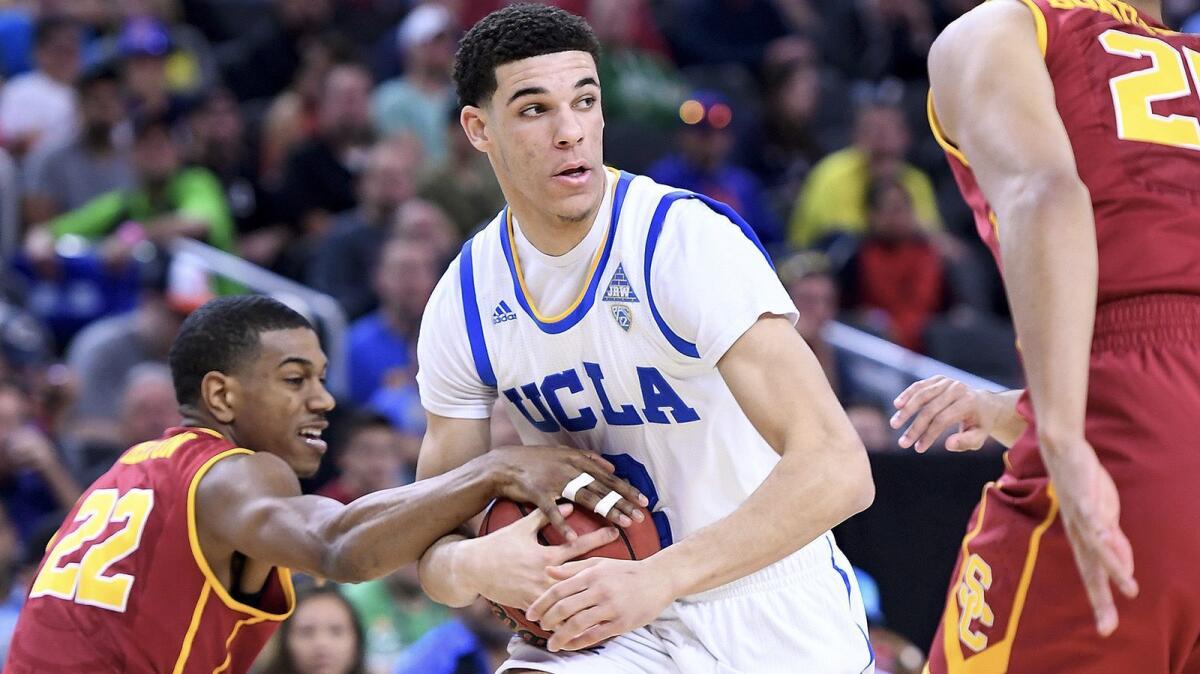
{"points": [[569, 131]]}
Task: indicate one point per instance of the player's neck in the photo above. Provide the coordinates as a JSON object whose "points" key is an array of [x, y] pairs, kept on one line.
{"points": [[553, 235], [194, 418]]}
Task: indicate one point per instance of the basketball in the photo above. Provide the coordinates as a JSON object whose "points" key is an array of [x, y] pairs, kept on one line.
{"points": [[635, 542]]}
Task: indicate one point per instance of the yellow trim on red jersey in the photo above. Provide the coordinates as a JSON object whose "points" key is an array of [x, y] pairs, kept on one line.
{"points": [[186, 650], [1039, 18], [285, 575], [995, 657], [229, 642], [940, 136]]}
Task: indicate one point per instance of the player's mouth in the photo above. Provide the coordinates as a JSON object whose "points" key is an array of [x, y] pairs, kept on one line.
{"points": [[311, 435], [575, 174]]}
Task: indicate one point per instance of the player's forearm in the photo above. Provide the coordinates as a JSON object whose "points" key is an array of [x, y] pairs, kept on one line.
{"points": [[442, 575], [820, 482], [381, 532], [1048, 248], [1009, 424]]}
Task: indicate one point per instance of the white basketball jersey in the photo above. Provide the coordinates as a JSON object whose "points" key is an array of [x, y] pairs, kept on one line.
{"points": [[629, 369]]}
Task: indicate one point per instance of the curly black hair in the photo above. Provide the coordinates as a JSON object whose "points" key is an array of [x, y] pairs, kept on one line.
{"points": [[510, 34], [223, 336]]}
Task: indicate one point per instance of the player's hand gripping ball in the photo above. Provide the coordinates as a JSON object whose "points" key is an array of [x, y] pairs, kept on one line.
{"points": [[638, 541]]}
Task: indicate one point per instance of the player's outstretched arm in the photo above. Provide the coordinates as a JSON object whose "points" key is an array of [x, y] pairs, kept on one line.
{"points": [[995, 99], [456, 569], [822, 478], [253, 504], [935, 404]]}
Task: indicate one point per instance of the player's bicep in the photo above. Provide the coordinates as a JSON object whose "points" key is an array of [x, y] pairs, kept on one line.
{"points": [[254, 505], [450, 443], [781, 387], [994, 98]]}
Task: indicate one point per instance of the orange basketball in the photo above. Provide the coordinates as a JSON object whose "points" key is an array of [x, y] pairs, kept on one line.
{"points": [[636, 542]]}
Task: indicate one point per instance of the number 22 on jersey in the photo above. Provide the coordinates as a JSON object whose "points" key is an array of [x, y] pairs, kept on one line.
{"points": [[84, 581], [1166, 79]]}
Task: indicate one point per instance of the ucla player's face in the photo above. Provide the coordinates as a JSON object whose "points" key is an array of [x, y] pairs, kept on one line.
{"points": [[282, 400], [544, 136]]}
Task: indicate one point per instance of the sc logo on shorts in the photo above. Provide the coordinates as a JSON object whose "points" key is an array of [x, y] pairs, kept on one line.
{"points": [[972, 604]]}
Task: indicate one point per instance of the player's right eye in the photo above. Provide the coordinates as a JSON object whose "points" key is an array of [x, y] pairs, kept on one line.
{"points": [[532, 110]]}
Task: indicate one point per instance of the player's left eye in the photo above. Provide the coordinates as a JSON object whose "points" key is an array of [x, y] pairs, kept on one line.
{"points": [[587, 102]]}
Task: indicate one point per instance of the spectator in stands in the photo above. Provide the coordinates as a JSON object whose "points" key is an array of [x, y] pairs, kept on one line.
{"points": [[147, 408], [814, 292], [472, 642], [169, 201], [320, 175], [104, 353], [424, 221], [12, 592], [323, 636], [396, 614], [701, 163], [35, 485], [418, 102], [641, 85], [380, 345], [37, 109], [834, 198], [294, 115], [219, 143], [191, 65], [896, 279], [345, 260], [368, 460], [65, 177], [264, 59], [144, 46], [464, 186], [885, 38], [871, 424], [724, 31]]}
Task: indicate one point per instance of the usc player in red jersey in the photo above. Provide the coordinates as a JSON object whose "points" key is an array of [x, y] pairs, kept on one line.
{"points": [[177, 559], [1073, 130]]}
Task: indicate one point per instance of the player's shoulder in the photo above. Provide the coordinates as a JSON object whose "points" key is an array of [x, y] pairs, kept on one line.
{"points": [[989, 21]]}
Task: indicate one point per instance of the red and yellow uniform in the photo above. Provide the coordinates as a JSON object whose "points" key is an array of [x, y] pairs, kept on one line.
{"points": [[1128, 92], [124, 586]]}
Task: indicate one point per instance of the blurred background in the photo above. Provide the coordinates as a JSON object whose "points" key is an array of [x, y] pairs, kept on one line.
{"points": [[155, 153]]}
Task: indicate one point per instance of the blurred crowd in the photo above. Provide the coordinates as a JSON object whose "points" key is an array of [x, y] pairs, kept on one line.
{"points": [[319, 139]]}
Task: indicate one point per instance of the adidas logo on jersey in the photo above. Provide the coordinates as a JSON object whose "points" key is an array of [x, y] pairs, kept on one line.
{"points": [[503, 314], [618, 289]]}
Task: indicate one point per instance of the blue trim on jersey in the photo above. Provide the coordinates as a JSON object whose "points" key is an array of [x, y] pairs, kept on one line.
{"points": [[656, 224], [850, 599], [466, 279], [589, 298]]}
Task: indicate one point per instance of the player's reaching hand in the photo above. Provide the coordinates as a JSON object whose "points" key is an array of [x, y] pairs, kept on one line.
{"points": [[1091, 511], [935, 404], [541, 475], [597, 599], [525, 559]]}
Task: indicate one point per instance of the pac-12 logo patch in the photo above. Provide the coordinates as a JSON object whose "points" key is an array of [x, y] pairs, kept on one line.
{"points": [[623, 316]]}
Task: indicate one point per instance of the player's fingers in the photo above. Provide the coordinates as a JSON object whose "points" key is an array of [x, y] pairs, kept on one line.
{"points": [[966, 440], [593, 636], [563, 609], [940, 423], [1095, 583], [929, 411], [554, 594], [628, 492], [589, 541], [553, 513], [577, 625], [572, 569], [1117, 557], [913, 388], [916, 401], [621, 511]]}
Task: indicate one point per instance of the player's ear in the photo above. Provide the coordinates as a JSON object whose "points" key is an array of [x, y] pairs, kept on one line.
{"points": [[474, 123], [218, 392]]}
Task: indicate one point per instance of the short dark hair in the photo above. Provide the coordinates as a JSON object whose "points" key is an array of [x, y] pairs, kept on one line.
{"points": [[510, 34], [223, 336]]}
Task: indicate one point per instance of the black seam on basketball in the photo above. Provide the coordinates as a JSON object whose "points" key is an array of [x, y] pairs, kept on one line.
{"points": [[541, 539], [628, 545]]}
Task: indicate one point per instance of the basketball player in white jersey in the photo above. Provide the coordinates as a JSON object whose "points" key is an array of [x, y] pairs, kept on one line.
{"points": [[617, 315]]}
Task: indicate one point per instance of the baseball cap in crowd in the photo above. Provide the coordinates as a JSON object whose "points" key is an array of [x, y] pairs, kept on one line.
{"points": [[422, 24], [706, 109], [144, 36]]}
